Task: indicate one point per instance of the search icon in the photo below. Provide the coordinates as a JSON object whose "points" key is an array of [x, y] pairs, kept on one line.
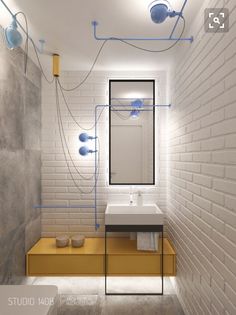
{"points": [[216, 20]]}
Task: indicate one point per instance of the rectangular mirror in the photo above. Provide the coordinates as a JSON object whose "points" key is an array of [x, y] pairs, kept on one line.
{"points": [[131, 132]]}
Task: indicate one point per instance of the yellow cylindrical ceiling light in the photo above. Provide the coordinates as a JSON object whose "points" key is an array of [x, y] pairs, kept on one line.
{"points": [[56, 65]]}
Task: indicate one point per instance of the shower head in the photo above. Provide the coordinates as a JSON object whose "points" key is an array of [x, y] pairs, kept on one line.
{"points": [[160, 10], [12, 35]]}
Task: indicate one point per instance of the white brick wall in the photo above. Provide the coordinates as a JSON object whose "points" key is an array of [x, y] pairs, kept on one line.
{"points": [[202, 158], [57, 186]]}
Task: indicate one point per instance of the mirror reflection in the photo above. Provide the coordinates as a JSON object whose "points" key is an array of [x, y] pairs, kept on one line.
{"points": [[131, 132]]}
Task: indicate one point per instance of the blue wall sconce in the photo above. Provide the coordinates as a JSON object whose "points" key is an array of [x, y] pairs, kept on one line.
{"points": [[84, 137], [85, 151], [13, 36], [159, 11]]}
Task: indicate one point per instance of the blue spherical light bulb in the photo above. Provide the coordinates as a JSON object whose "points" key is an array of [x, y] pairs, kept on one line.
{"points": [[134, 114], [83, 137], [84, 151], [137, 104], [159, 13], [13, 36]]}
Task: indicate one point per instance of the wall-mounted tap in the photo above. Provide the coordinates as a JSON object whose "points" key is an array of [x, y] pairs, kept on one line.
{"points": [[139, 198]]}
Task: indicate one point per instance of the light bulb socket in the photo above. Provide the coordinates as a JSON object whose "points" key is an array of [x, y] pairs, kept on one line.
{"points": [[56, 65]]}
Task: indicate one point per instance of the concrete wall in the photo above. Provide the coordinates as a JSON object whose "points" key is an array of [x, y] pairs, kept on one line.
{"points": [[202, 191], [58, 188], [20, 161]]}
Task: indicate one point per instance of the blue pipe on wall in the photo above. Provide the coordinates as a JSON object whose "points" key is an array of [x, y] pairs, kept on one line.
{"points": [[95, 206], [177, 21]]}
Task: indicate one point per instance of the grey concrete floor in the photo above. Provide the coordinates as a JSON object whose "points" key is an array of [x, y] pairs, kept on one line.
{"points": [[85, 296]]}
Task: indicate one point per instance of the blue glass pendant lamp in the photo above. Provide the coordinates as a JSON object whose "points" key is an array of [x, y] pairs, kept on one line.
{"points": [[13, 36]]}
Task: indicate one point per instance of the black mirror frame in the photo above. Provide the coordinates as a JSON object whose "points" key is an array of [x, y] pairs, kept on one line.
{"points": [[154, 98]]}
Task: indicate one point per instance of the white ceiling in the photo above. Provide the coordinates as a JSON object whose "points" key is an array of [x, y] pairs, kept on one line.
{"points": [[66, 27]]}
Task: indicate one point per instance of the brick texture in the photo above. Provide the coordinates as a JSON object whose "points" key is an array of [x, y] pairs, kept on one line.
{"points": [[202, 175], [58, 188]]}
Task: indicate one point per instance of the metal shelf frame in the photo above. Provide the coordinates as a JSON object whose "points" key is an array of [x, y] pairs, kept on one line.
{"points": [[135, 228]]}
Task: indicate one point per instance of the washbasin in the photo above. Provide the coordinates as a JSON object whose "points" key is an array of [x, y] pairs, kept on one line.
{"points": [[133, 215]]}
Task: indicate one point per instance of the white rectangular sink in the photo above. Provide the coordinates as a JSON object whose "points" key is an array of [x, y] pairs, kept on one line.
{"points": [[133, 215]]}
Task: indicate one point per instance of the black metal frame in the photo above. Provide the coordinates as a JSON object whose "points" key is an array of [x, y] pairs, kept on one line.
{"points": [[134, 228], [154, 102]]}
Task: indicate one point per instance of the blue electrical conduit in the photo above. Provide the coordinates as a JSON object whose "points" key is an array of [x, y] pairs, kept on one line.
{"points": [[177, 21], [95, 24], [126, 105], [95, 206], [131, 98], [190, 39]]}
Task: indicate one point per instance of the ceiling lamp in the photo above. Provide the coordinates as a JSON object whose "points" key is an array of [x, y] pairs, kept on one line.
{"points": [[160, 10], [12, 35]]}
